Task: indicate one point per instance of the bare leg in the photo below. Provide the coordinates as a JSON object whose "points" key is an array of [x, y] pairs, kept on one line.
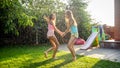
{"points": [[71, 48], [57, 44], [46, 52], [52, 48]]}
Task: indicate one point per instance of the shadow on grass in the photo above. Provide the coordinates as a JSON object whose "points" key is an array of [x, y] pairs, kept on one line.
{"points": [[37, 64], [7, 53], [16, 51], [48, 61], [66, 57], [106, 64]]}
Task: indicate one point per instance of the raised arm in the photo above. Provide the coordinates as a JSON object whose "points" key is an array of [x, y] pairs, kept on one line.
{"points": [[47, 19]]}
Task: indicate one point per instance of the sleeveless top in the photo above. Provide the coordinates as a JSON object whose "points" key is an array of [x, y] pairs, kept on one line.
{"points": [[74, 30], [50, 27], [50, 30]]}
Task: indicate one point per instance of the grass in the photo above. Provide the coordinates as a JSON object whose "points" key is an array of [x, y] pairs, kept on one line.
{"points": [[33, 57]]}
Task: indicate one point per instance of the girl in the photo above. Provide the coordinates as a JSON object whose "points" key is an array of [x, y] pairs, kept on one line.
{"points": [[72, 27], [51, 36]]}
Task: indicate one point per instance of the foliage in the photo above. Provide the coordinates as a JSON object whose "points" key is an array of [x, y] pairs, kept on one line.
{"points": [[21, 20], [82, 17], [12, 16]]}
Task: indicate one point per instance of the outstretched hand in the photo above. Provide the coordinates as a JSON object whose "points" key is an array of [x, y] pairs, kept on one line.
{"points": [[45, 17], [62, 34]]}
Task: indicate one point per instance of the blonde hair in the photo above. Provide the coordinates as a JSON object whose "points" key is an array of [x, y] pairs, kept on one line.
{"points": [[70, 15]]}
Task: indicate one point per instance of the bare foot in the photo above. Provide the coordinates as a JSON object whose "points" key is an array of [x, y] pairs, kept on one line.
{"points": [[45, 53], [74, 59], [55, 58]]}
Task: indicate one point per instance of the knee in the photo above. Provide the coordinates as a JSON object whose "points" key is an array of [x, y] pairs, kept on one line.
{"points": [[55, 47], [57, 43], [69, 46]]}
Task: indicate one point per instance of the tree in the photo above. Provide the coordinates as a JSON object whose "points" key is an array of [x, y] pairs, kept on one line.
{"points": [[39, 8], [82, 17], [22, 20], [12, 16]]}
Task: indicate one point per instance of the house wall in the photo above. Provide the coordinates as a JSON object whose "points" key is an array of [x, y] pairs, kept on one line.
{"points": [[117, 20]]}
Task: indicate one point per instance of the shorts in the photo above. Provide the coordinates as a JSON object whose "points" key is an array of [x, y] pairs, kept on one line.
{"points": [[74, 34], [50, 33]]}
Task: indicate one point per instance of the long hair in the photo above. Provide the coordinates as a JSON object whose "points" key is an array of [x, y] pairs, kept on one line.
{"points": [[70, 15], [51, 17]]}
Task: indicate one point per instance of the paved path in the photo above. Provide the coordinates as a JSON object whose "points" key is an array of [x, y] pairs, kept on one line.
{"points": [[102, 53]]}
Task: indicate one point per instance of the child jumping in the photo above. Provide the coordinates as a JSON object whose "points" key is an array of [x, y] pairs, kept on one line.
{"points": [[72, 27], [51, 36]]}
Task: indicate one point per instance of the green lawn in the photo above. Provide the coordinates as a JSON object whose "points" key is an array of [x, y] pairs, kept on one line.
{"points": [[33, 57]]}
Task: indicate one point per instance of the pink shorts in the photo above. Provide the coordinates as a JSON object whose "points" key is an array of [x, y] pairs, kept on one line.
{"points": [[50, 33]]}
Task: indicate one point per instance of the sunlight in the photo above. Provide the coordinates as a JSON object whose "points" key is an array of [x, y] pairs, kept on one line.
{"points": [[102, 11], [97, 56], [15, 61]]}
